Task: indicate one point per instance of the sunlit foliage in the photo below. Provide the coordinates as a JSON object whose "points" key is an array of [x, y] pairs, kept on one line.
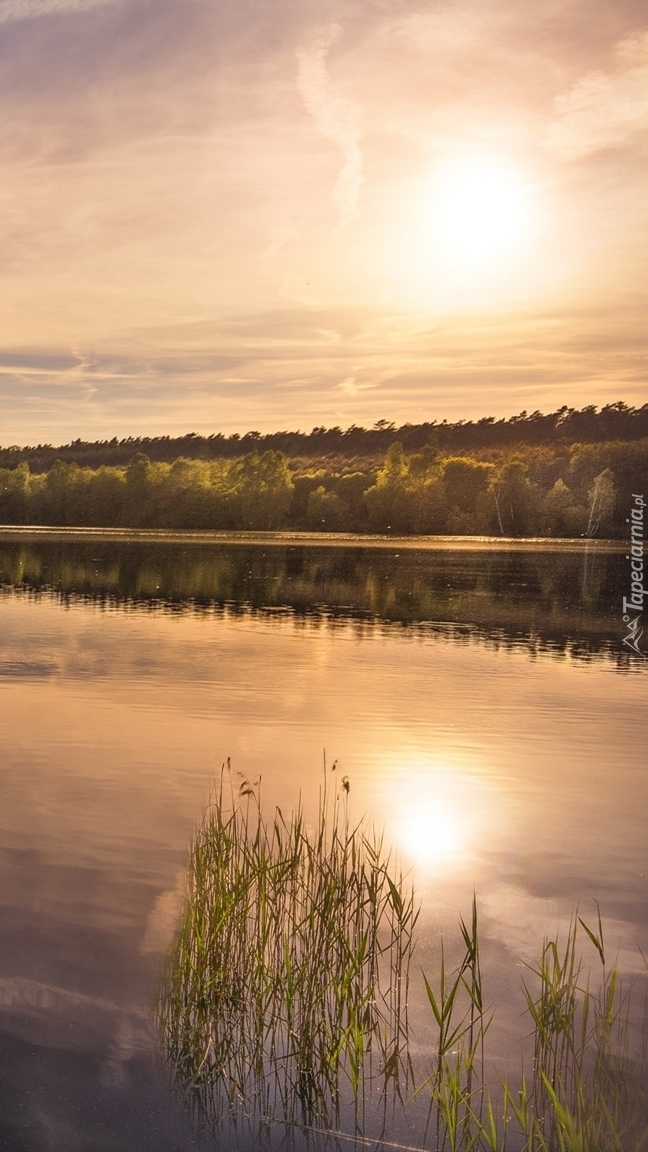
{"points": [[565, 490]]}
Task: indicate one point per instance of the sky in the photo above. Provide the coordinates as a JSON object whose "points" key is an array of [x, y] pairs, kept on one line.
{"points": [[222, 215]]}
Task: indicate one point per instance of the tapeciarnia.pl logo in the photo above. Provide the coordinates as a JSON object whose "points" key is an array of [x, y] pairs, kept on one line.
{"points": [[634, 602]]}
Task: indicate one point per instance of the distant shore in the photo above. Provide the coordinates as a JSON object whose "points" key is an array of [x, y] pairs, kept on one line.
{"points": [[12, 532]]}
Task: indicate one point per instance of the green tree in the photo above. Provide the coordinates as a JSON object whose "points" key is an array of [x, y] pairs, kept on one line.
{"points": [[302, 488], [351, 489], [262, 490], [15, 485], [428, 506], [139, 506], [389, 500], [60, 504], [424, 463], [184, 495], [560, 514], [327, 512], [464, 481], [515, 499], [105, 491]]}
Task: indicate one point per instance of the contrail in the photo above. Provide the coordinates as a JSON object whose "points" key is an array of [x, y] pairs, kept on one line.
{"points": [[12, 10], [337, 119]]}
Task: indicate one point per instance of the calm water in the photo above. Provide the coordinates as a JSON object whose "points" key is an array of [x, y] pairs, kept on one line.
{"points": [[479, 700]]}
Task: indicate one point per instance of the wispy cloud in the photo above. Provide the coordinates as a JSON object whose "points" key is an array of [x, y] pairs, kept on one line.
{"points": [[604, 109], [336, 118], [12, 10]]}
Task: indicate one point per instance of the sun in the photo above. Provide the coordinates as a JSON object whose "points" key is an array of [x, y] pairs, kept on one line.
{"points": [[469, 231], [480, 211]]}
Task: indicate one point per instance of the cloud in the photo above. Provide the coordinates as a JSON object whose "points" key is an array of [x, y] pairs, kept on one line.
{"points": [[70, 1020], [522, 922], [163, 918], [12, 10], [604, 109], [336, 118]]}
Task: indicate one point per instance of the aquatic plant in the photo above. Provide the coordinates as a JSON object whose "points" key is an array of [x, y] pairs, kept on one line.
{"points": [[285, 1003], [285, 994], [587, 1090]]}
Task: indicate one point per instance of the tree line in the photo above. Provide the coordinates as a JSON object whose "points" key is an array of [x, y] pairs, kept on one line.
{"points": [[576, 490], [565, 426]]}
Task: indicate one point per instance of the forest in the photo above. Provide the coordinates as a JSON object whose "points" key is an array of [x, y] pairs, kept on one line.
{"points": [[355, 446], [561, 489]]}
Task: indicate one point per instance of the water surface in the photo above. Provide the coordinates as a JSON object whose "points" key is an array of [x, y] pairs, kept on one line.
{"points": [[479, 700]]}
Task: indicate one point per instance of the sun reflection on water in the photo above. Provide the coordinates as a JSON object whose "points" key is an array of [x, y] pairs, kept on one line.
{"points": [[442, 815], [431, 833]]}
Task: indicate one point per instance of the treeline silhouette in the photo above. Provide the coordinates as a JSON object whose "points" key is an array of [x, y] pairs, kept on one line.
{"points": [[589, 425], [561, 490]]}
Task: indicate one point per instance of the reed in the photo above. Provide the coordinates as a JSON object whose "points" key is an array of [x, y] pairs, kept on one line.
{"points": [[456, 1080], [284, 1003], [587, 1090], [285, 995]]}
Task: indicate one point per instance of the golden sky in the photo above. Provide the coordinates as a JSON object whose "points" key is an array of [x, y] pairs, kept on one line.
{"points": [[227, 215]]}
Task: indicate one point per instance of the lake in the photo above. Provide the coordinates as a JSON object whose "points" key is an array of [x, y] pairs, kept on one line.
{"points": [[477, 696]]}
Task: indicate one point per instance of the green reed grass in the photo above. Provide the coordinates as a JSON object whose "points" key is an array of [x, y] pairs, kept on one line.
{"points": [[587, 1089], [286, 990], [285, 1000]]}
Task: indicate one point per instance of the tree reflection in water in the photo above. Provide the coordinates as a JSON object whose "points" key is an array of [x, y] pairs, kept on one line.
{"points": [[563, 599]]}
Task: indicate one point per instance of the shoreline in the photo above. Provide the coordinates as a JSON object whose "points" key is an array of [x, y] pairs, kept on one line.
{"points": [[12, 533]]}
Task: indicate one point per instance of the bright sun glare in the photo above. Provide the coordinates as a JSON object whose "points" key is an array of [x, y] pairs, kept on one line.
{"points": [[441, 814], [481, 211], [468, 232], [432, 833], [434, 816]]}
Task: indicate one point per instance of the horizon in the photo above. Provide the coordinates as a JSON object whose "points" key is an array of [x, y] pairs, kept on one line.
{"points": [[381, 425], [318, 214]]}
